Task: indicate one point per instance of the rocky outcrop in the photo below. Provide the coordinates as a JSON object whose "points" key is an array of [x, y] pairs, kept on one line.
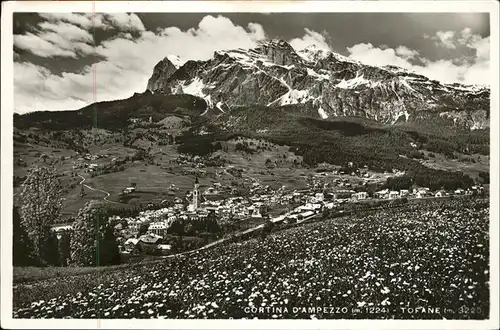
{"points": [[162, 71], [324, 83]]}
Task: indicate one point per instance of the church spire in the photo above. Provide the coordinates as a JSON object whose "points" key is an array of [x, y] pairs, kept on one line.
{"points": [[196, 194]]}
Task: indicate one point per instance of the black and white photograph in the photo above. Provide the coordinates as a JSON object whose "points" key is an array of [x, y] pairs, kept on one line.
{"points": [[250, 162]]}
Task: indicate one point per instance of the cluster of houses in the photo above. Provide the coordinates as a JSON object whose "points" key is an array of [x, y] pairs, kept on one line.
{"points": [[89, 163], [307, 203], [426, 192], [148, 243]]}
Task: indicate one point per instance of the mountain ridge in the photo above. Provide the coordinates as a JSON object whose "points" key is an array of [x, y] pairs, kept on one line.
{"points": [[326, 83]]}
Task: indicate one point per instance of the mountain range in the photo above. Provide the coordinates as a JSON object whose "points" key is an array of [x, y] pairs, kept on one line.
{"points": [[323, 84]]}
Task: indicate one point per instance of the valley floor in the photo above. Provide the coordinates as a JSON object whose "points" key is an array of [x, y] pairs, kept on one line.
{"points": [[387, 263]]}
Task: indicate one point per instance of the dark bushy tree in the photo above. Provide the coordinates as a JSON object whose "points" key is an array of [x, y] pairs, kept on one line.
{"points": [[108, 248], [50, 251], [64, 248], [22, 248], [485, 176], [211, 224], [268, 227], [93, 242], [143, 229]]}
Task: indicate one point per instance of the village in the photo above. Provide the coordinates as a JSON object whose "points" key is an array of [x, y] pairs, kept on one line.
{"points": [[149, 233]]}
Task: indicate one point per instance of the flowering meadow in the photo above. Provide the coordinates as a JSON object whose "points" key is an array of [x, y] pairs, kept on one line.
{"points": [[419, 261]]}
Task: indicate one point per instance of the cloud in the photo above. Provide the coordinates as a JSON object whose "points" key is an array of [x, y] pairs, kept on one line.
{"points": [[371, 55], [86, 20], [311, 38], [36, 88], [120, 21], [482, 48], [446, 39], [404, 51], [443, 39], [56, 39], [70, 31], [467, 38], [474, 71], [453, 40], [40, 46], [76, 19], [126, 22], [127, 63]]}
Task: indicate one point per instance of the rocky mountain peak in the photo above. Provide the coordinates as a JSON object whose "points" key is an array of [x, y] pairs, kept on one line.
{"points": [[163, 70], [325, 84], [279, 52]]}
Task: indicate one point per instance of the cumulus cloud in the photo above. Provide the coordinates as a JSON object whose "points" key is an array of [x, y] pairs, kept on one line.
{"points": [[445, 39], [70, 31], [405, 52], [124, 21], [36, 88], [41, 47], [56, 39], [467, 38], [369, 54], [66, 34], [482, 48], [127, 63], [120, 21], [453, 40], [311, 38], [474, 71], [86, 20]]}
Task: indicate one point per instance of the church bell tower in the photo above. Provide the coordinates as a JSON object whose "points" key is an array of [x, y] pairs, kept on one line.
{"points": [[196, 194]]}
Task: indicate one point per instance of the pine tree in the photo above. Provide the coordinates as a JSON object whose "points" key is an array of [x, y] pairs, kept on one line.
{"points": [[41, 204]]}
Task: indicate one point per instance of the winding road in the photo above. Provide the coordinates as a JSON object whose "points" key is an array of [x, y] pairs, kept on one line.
{"points": [[95, 189]]}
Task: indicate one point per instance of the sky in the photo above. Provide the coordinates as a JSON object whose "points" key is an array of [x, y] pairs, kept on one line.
{"points": [[65, 61]]}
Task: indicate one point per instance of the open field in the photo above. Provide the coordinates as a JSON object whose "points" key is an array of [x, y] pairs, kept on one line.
{"points": [[468, 164]]}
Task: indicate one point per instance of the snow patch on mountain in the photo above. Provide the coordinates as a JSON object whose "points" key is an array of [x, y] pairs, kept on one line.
{"points": [[320, 76], [467, 88], [405, 113], [313, 53], [176, 60], [252, 59], [219, 106], [322, 113], [294, 96], [355, 82], [196, 87], [405, 83]]}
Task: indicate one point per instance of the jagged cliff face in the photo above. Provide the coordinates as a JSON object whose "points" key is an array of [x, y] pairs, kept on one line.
{"points": [[325, 83], [162, 72]]}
